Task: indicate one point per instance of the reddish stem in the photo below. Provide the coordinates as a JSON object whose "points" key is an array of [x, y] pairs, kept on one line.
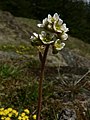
{"points": [[40, 82]]}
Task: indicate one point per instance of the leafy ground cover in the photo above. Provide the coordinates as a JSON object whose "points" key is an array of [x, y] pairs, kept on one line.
{"points": [[19, 85]]}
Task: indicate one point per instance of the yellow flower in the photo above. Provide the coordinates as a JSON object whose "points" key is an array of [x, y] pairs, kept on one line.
{"points": [[23, 114], [9, 109], [6, 112], [10, 114], [19, 118], [26, 111], [7, 118], [1, 109], [15, 112], [34, 117], [1, 112], [25, 118], [2, 118]]}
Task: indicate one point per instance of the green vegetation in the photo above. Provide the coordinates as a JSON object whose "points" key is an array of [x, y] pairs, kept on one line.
{"points": [[7, 71], [19, 91]]}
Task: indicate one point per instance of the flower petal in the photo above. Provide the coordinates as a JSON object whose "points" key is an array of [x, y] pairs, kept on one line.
{"points": [[36, 35], [40, 25], [50, 26], [50, 18], [56, 17], [64, 36], [58, 45], [57, 27], [32, 37], [45, 22], [60, 21], [42, 35], [64, 28], [46, 38], [45, 41]]}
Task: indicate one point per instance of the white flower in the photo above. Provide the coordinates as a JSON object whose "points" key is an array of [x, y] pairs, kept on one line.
{"points": [[35, 40], [50, 18], [32, 37], [44, 23], [55, 33], [57, 26], [35, 36], [42, 35], [64, 28], [53, 19], [46, 38], [58, 45], [49, 26], [56, 17], [64, 36]]}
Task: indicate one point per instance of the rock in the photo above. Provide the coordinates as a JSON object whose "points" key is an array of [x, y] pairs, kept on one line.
{"points": [[67, 57], [67, 114], [15, 30], [74, 60]]}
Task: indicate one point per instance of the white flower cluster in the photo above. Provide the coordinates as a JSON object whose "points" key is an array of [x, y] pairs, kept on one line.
{"points": [[57, 28]]}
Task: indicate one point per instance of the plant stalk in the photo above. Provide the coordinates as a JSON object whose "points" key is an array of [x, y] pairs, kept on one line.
{"points": [[41, 81]]}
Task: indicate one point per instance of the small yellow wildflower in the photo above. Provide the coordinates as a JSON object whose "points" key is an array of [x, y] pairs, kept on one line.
{"points": [[7, 118], [19, 118], [23, 114], [6, 112], [9, 109], [26, 111], [1, 112], [15, 112], [2, 118], [1, 109], [10, 114], [34, 117], [26, 117]]}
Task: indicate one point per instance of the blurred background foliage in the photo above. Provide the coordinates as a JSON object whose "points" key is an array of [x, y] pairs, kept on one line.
{"points": [[75, 13]]}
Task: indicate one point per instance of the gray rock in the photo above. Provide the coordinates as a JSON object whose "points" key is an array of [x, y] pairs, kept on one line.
{"points": [[67, 114]]}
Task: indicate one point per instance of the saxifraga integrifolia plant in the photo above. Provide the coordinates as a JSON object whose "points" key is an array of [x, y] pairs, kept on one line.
{"points": [[53, 35]]}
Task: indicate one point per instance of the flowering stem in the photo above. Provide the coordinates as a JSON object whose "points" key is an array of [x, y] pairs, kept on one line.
{"points": [[40, 81]]}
